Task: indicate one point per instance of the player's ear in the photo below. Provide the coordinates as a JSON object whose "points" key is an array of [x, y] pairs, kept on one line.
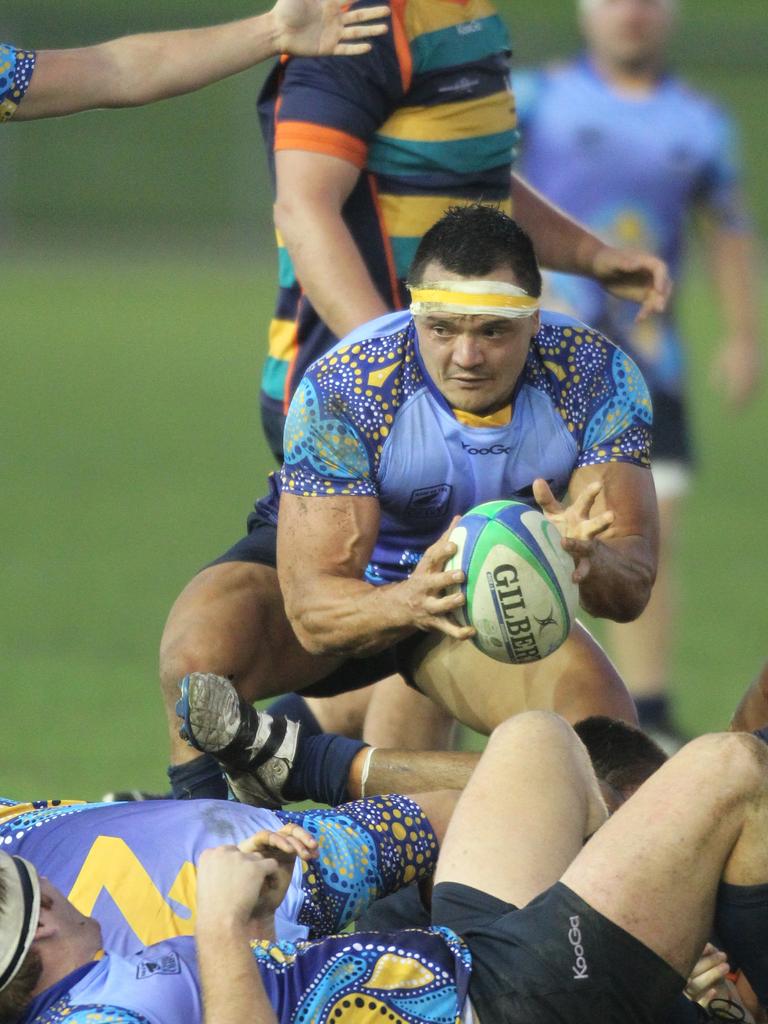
{"points": [[535, 323]]}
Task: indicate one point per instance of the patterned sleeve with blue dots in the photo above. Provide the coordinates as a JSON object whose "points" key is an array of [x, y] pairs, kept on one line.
{"points": [[16, 67], [598, 390], [367, 849]]}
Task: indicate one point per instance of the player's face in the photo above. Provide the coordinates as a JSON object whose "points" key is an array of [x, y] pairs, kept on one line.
{"points": [[474, 360], [627, 33]]}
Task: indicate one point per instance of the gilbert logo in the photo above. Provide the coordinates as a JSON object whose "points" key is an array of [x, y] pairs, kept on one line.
{"points": [[574, 937]]}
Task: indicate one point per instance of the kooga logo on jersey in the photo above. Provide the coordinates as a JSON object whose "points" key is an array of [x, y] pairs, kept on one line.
{"points": [[495, 449]]}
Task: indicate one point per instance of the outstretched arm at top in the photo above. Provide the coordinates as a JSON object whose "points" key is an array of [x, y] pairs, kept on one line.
{"points": [[323, 548], [140, 69], [563, 244]]}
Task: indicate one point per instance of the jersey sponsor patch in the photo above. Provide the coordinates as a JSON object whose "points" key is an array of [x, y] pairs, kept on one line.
{"points": [[167, 964], [429, 502]]}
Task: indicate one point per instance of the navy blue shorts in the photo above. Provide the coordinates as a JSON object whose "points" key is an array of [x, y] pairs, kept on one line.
{"points": [[557, 959], [671, 434]]}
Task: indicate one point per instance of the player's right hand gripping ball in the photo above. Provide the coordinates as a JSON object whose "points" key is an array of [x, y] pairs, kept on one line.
{"points": [[520, 597]]}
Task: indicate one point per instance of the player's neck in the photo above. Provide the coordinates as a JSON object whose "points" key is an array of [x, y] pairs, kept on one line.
{"points": [[639, 79], [66, 954]]}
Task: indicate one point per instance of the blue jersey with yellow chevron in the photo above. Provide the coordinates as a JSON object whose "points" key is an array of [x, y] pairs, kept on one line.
{"points": [[16, 67], [367, 420], [632, 168], [427, 117], [132, 866], [411, 977]]}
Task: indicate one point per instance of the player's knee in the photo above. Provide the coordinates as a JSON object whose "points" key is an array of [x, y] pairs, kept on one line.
{"points": [[736, 762], [539, 726]]}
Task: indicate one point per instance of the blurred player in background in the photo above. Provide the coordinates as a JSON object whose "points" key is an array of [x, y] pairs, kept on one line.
{"points": [[632, 151], [140, 69]]}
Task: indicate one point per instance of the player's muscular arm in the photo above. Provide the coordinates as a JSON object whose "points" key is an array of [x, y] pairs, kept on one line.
{"points": [[563, 244], [323, 547], [311, 191], [610, 530]]}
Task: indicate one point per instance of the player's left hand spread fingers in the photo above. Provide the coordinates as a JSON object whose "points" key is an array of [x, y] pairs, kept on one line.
{"points": [[289, 842], [574, 520]]}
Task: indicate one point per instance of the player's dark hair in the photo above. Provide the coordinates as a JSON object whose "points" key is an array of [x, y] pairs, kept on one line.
{"points": [[16, 997], [622, 755], [472, 241]]}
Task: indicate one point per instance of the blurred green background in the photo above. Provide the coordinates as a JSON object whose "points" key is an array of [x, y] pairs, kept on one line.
{"points": [[138, 279]]}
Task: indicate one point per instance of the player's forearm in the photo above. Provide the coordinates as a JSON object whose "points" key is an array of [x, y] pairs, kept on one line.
{"points": [[561, 243], [231, 984], [734, 268], [140, 69], [328, 263], [333, 615], [621, 576]]}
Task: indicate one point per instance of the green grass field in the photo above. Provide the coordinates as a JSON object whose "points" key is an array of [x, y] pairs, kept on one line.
{"points": [[132, 452], [132, 336]]}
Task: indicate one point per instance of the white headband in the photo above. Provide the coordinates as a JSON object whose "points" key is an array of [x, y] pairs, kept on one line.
{"points": [[494, 298]]}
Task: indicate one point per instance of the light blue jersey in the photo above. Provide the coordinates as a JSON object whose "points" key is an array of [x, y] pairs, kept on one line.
{"points": [[368, 420], [419, 976], [631, 168], [132, 866]]}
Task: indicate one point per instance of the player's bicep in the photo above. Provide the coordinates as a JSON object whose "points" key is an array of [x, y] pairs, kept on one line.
{"points": [[628, 491], [68, 81], [322, 537], [306, 179]]}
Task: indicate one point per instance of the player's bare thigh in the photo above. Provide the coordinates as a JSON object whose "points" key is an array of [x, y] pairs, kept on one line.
{"points": [[654, 867], [230, 620], [576, 681]]}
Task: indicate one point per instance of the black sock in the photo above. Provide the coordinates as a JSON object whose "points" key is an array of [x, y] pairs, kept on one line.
{"points": [[198, 779], [741, 923], [293, 706], [653, 712], [321, 767]]}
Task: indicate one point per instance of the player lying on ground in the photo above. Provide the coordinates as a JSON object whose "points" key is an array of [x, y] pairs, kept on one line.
{"points": [[530, 921], [134, 70], [132, 865], [359, 538]]}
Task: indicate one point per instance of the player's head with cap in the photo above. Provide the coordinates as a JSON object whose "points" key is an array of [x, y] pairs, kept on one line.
{"points": [[627, 34], [20, 966]]}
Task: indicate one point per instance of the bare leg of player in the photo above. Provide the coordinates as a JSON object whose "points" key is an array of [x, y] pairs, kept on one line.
{"points": [[576, 681]]}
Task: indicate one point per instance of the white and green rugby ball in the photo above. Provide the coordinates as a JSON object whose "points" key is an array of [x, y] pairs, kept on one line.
{"points": [[520, 596]]}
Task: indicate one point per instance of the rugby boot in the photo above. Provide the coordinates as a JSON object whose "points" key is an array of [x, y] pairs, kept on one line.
{"points": [[255, 750]]}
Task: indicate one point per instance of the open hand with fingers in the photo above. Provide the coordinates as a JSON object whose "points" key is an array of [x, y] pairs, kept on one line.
{"points": [[431, 592], [315, 28], [708, 984], [578, 527]]}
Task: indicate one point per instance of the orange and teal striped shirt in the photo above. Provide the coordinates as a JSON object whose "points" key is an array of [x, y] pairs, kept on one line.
{"points": [[428, 118]]}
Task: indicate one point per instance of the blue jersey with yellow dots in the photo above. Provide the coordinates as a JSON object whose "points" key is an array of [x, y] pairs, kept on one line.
{"points": [[632, 168], [16, 67], [411, 977], [367, 420], [132, 866], [427, 118]]}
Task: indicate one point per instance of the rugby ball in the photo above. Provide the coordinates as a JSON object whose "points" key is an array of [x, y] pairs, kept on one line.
{"points": [[520, 597]]}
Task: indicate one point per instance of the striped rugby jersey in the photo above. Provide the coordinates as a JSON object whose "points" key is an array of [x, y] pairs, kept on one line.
{"points": [[428, 118]]}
